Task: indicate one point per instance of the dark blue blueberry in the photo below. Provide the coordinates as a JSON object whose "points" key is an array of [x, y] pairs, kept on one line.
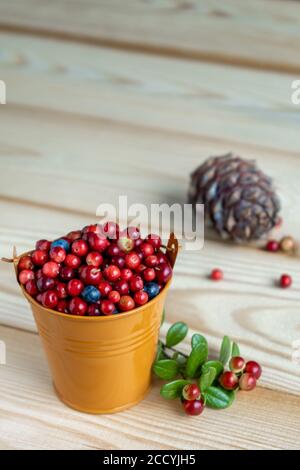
{"points": [[91, 294], [152, 289], [115, 311], [62, 243]]}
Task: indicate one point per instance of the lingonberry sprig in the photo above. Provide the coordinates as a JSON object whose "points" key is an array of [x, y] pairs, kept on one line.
{"points": [[197, 380]]}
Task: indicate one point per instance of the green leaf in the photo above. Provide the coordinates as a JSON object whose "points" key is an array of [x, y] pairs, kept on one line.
{"points": [[217, 365], [207, 378], [166, 369], [173, 389], [159, 353], [196, 339], [225, 350], [218, 398], [235, 350], [197, 356], [176, 333]]}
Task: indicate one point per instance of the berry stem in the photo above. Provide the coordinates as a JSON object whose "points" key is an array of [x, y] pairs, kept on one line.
{"points": [[174, 350]]}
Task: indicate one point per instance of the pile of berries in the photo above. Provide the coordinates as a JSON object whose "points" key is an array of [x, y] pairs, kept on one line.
{"points": [[99, 270], [241, 375]]}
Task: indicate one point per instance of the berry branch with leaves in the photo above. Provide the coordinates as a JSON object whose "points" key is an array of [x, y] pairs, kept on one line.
{"points": [[197, 380]]}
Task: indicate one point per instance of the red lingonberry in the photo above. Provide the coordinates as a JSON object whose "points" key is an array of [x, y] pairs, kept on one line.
{"points": [[247, 382], [228, 380], [45, 283], [113, 250], [272, 245], [91, 275], [94, 310], [162, 259], [79, 247], [285, 281], [126, 303], [111, 230], [107, 307], [193, 408], [105, 288], [94, 258], [51, 269], [216, 275], [133, 233], [149, 274], [126, 274], [154, 240], [39, 257], [136, 284], [132, 260], [125, 244], [140, 269], [191, 392], [25, 276], [114, 296], [141, 297], [77, 306], [163, 273], [74, 235], [31, 287], [25, 263], [118, 261], [147, 249], [253, 368], [72, 261], [61, 290], [122, 287], [97, 242], [49, 299], [112, 273], [43, 245], [58, 254], [151, 261], [237, 364], [67, 273], [75, 287], [62, 306]]}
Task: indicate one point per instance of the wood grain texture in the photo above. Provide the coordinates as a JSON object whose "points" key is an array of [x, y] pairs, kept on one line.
{"points": [[29, 405], [261, 34], [84, 124]]}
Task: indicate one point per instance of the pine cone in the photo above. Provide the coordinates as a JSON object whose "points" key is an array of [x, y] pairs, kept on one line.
{"points": [[239, 198]]}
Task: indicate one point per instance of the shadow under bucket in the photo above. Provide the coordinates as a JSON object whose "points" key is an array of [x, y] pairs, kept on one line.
{"points": [[102, 364]]}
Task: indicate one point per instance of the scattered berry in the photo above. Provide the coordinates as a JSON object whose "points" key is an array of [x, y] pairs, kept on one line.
{"points": [[285, 281], [216, 275], [287, 244], [272, 245]]}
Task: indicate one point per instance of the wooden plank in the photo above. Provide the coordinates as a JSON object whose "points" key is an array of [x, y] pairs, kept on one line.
{"points": [[195, 99], [261, 34], [28, 403]]}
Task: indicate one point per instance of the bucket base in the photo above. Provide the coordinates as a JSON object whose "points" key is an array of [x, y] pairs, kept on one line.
{"points": [[99, 411]]}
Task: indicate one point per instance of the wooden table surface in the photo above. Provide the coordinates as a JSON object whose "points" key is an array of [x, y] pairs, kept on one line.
{"points": [[127, 97]]}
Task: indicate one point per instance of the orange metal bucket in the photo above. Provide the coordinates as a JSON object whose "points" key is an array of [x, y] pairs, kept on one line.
{"points": [[102, 364]]}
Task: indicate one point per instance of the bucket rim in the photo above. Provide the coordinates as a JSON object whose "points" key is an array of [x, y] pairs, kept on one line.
{"points": [[69, 316]]}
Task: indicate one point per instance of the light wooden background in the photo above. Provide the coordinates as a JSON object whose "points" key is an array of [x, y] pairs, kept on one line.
{"points": [[127, 97]]}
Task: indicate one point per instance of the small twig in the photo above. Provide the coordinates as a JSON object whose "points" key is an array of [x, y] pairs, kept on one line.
{"points": [[164, 346]]}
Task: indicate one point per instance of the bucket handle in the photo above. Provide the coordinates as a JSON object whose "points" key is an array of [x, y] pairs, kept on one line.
{"points": [[172, 249]]}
